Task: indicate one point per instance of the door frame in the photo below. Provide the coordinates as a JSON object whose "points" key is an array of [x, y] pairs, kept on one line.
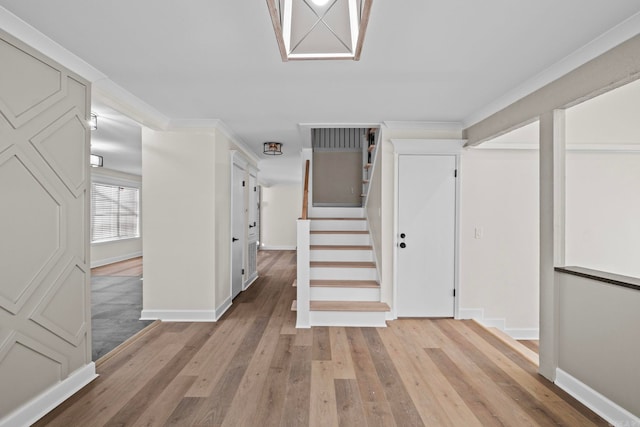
{"points": [[429, 147]]}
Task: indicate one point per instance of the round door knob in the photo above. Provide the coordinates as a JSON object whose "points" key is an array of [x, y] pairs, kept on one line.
{"points": [[403, 245]]}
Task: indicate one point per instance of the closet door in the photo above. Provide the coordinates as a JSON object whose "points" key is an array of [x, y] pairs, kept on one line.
{"points": [[426, 236]]}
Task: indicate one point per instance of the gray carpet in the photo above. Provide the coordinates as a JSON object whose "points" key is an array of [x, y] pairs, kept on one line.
{"points": [[116, 303]]}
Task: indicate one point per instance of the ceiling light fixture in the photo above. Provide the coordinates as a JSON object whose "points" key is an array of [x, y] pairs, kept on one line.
{"points": [[320, 29], [93, 122], [273, 148]]}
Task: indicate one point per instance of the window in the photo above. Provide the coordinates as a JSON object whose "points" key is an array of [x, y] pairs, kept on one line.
{"points": [[115, 212]]}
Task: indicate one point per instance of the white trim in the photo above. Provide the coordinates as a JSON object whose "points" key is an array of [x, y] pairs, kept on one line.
{"points": [[277, 248], [45, 402], [601, 405], [477, 314], [601, 148], [598, 46], [208, 125], [249, 282], [107, 261], [221, 309], [424, 126], [179, 315], [523, 333], [24, 32], [428, 146]]}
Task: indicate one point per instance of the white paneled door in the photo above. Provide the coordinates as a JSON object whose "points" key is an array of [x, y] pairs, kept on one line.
{"points": [[237, 230], [425, 277]]}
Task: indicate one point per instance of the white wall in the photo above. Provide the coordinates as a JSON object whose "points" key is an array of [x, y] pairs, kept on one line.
{"points": [[280, 207], [108, 252], [603, 211], [499, 239], [179, 218]]}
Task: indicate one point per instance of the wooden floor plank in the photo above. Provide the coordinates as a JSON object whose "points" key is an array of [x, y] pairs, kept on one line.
{"points": [[296, 405], [403, 408], [253, 367], [321, 349], [377, 409], [323, 405], [350, 408], [271, 401]]}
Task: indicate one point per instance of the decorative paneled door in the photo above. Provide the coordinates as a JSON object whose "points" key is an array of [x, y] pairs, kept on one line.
{"points": [[44, 274]]}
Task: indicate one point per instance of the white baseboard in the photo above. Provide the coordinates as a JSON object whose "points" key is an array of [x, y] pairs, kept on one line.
{"points": [[106, 261], [515, 333], [223, 308], [278, 248], [179, 315], [610, 411], [250, 282], [523, 333], [41, 405]]}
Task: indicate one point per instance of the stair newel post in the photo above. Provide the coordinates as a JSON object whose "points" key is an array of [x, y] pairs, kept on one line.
{"points": [[303, 267]]}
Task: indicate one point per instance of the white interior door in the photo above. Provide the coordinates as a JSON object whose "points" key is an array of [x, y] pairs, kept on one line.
{"points": [[237, 230], [425, 278]]}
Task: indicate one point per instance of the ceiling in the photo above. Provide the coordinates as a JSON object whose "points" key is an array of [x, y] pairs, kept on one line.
{"points": [[422, 60]]}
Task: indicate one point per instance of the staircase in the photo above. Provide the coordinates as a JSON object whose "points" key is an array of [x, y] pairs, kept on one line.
{"points": [[343, 279]]}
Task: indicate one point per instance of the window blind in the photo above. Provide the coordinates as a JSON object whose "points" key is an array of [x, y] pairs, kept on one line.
{"points": [[115, 212]]}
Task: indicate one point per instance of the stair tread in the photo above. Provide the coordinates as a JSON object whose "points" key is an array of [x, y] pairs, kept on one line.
{"points": [[339, 232], [343, 264], [341, 247], [348, 306], [345, 283]]}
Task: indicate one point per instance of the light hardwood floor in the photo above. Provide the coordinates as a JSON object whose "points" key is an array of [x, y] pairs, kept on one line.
{"points": [[253, 368], [130, 267]]}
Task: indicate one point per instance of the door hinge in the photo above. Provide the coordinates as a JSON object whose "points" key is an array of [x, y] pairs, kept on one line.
{"points": [[454, 293], [255, 188], [455, 173], [243, 271], [243, 183]]}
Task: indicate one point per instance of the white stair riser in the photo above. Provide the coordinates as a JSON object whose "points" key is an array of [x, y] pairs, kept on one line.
{"points": [[318, 293], [340, 239], [336, 212], [348, 318], [348, 224], [330, 273], [341, 255]]}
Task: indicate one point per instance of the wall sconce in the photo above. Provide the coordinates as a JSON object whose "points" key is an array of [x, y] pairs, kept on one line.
{"points": [[93, 122], [95, 161], [273, 148]]}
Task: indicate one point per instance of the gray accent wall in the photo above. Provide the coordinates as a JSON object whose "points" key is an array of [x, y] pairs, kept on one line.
{"points": [[599, 335]]}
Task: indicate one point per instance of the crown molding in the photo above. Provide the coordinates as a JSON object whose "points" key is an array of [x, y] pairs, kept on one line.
{"points": [[600, 148], [120, 99], [208, 125], [598, 46], [425, 126], [24, 32]]}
